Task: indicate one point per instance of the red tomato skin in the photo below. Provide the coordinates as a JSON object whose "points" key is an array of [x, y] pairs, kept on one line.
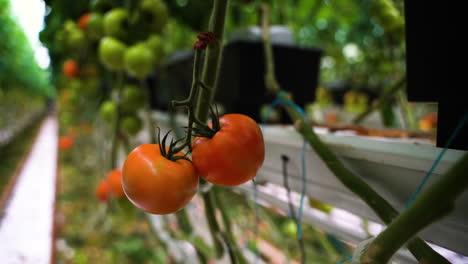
{"points": [[65, 142], [83, 21], [155, 184], [114, 178], [102, 191], [235, 153], [70, 68]]}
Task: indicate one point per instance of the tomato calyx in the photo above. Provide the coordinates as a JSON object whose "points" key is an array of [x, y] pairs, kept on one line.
{"points": [[171, 151], [205, 131]]}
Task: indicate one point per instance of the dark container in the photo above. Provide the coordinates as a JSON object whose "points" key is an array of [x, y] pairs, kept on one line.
{"points": [[241, 86], [433, 58]]}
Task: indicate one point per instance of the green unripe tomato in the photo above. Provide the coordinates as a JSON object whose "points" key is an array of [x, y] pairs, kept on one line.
{"points": [[69, 26], [108, 111], [156, 44], [290, 228], [115, 23], [268, 114], [139, 60], [111, 53], [76, 39], [132, 99], [131, 124], [158, 11], [95, 26]]}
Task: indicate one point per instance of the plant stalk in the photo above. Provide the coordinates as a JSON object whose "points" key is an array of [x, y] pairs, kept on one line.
{"points": [[115, 136], [384, 99], [354, 183], [434, 203], [236, 253], [212, 59], [205, 96]]}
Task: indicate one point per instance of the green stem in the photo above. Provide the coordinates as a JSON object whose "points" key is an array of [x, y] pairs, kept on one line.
{"points": [[209, 78], [270, 78], [212, 59], [149, 118], [115, 136], [384, 99], [237, 255], [407, 111], [354, 183], [377, 203], [213, 223], [434, 203]]}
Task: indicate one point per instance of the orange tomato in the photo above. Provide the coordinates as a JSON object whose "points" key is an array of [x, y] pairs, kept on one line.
{"points": [[233, 155], [114, 178], [428, 122], [103, 191], [70, 68], [83, 21], [156, 184], [65, 142]]}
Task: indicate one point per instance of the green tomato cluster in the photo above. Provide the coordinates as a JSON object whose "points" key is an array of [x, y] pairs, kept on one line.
{"points": [[131, 41], [132, 99], [70, 38]]}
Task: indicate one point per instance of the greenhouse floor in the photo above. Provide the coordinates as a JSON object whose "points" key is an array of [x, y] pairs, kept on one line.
{"points": [[27, 224]]}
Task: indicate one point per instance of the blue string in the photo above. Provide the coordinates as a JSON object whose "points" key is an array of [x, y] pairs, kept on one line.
{"points": [[431, 170], [345, 260], [437, 161], [276, 102]]}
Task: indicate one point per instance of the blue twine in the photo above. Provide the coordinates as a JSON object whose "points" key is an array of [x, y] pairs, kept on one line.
{"points": [[345, 260], [276, 102], [437, 161], [431, 170]]}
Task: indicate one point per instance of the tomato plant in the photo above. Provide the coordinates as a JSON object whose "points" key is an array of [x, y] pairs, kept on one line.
{"points": [[233, 155], [94, 26], [76, 39], [158, 11], [157, 184], [131, 124], [111, 53], [132, 98], [139, 60], [70, 68], [114, 179], [65, 142], [108, 111], [102, 190], [114, 23], [156, 44], [84, 20]]}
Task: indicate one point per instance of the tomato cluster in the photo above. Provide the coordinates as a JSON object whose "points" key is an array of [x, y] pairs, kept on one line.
{"points": [[161, 182], [111, 186]]}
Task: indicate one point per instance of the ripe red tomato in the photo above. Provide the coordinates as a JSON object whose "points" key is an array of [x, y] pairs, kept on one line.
{"points": [[102, 191], [233, 155], [70, 68], [114, 179], [83, 21], [156, 184], [65, 142]]}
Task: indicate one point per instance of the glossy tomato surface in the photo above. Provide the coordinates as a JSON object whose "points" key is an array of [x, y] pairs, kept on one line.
{"points": [[155, 184], [233, 155]]}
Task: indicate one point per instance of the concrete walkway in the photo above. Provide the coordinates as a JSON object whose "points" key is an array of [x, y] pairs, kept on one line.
{"points": [[26, 229]]}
